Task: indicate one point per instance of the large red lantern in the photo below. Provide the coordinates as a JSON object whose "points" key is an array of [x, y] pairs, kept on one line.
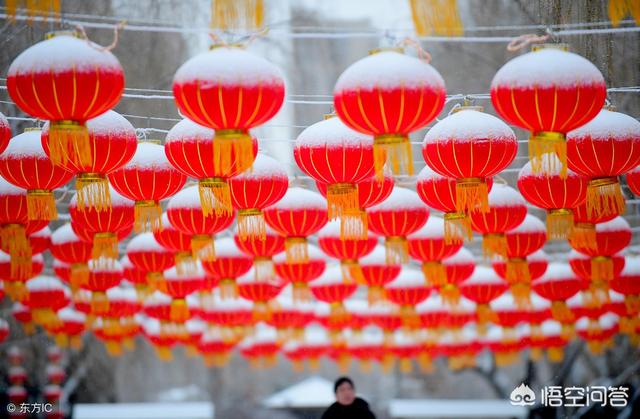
{"points": [[470, 146], [548, 92], [253, 190], [601, 150], [185, 213], [401, 214], [482, 288], [231, 91], [376, 273], [112, 143], [347, 250], [336, 155], [67, 247], [67, 80], [146, 254], [25, 164], [147, 179], [331, 288], [408, 290], [556, 194], [5, 132], [262, 250], [300, 274], [507, 209], [388, 95], [633, 180], [300, 213], [104, 225], [229, 264], [558, 284]]}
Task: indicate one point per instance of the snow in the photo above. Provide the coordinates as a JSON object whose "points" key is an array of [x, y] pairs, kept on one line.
{"points": [[149, 156], [469, 125], [264, 167], [389, 70], [226, 247], [111, 123], [44, 233], [462, 256], [378, 257], [117, 200], [433, 229], [408, 278], [617, 224], [195, 326], [229, 304], [551, 328], [455, 408], [631, 266], [332, 133], [356, 306], [547, 67], [229, 66], [557, 271], [186, 198], [400, 199], [5, 258], [145, 242], [63, 235], [298, 199], [44, 283], [63, 53], [157, 299], [313, 393], [188, 131], [552, 167], [427, 173], [483, 275], [606, 321], [172, 274], [263, 334], [505, 196], [531, 224], [7, 189], [27, 144], [332, 275], [537, 256], [120, 293], [608, 125]]}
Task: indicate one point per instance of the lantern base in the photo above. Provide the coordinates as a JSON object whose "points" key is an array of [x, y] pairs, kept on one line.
{"points": [[472, 195], [41, 205], [457, 228], [393, 150], [215, 197], [251, 225], [69, 141], [604, 197], [93, 192], [559, 224], [548, 142], [148, 216]]}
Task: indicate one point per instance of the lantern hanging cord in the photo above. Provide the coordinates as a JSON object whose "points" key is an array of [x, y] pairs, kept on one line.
{"points": [[525, 40], [114, 43], [422, 53]]}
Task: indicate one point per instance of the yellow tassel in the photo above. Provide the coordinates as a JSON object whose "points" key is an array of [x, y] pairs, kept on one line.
{"points": [[105, 245], [41, 205], [375, 295], [601, 268], [13, 237], [597, 294], [546, 142], [341, 197], [93, 192], [387, 364], [485, 314], [185, 263], [457, 228], [263, 267], [338, 313], [435, 273], [16, 290], [354, 224], [471, 195], [237, 14], [494, 244], [619, 9], [561, 312], [521, 294], [555, 354], [228, 288], [535, 354], [215, 197], [61, 340], [604, 197], [251, 224], [365, 366], [405, 365], [583, 236], [394, 150], [410, 318], [232, 151], [425, 363], [450, 294], [301, 292], [559, 224], [164, 353], [44, 316], [261, 311], [79, 275], [114, 348], [296, 250], [397, 250], [179, 311], [148, 216], [632, 303], [351, 272], [436, 17], [69, 141], [518, 270], [198, 244], [11, 7], [99, 303], [156, 281]]}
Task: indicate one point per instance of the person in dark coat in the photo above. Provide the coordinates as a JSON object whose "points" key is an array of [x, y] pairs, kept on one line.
{"points": [[347, 405]]}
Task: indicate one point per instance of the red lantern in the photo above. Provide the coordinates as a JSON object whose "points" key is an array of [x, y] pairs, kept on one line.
{"points": [[163, 337], [4, 330], [215, 350], [300, 213], [45, 296], [40, 240], [104, 226], [470, 146], [147, 179], [633, 180], [179, 286], [535, 264], [627, 283], [552, 339], [25, 165], [67, 247], [176, 241], [556, 194], [261, 349], [101, 277], [255, 189], [336, 155], [186, 214], [388, 95], [229, 264], [482, 288], [558, 284], [599, 332], [347, 250], [112, 143], [584, 228], [376, 273], [67, 80], [597, 283], [300, 274], [5, 132], [261, 293], [68, 332], [506, 345], [262, 251], [23, 315], [232, 315], [137, 277], [548, 92], [290, 318], [330, 288], [408, 290], [146, 254], [507, 209], [401, 214], [457, 269], [601, 150]]}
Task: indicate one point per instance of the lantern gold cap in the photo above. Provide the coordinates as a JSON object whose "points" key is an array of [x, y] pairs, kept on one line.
{"points": [[53, 34], [221, 45], [561, 47], [386, 49], [150, 141], [30, 129], [329, 115], [466, 107]]}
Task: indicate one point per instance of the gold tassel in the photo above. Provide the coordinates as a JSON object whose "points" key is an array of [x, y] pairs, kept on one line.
{"points": [[237, 14], [393, 150], [79, 275], [555, 354], [301, 292], [435, 273], [69, 141], [232, 151], [604, 197], [583, 235], [436, 17], [388, 362], [228, 288], [198, 243], [471, 195], [99, 303], [16, 290], [296, 250], [546, 142], [375, 295], [251, 224], [485, 314], [338, 313], [215, 197], [354, 225], [93, 192], [450, 294], [113, 347], [179, 311], [365, 366], [561, 312], [535, 354], [494, 244], [518, 270], [156, 281], [44, 317], [410, 318], [406, 365], [457, 228], [559, 224], [148, 216], [261, 311], [397, 250], [61, 340], [164, 353], [105, 245], [351, 272], [619, 9], [632, 303], [41, 205], [521, 294], [13, 237], [11, 6], [504, 359], [341, 197], [425, 363], [601, 269]]}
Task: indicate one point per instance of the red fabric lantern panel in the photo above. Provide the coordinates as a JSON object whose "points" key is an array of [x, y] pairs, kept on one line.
{"points": [[376, 273], [388, 95], [13, 226], [457, 268], [558, 284], [627, 283], [483, 287], [470, 146], [137, 277], [101, 277], [536, 265], [146, 254], [548, 92], [300, 274], [584, 228], [5, 132], [67, 80], [178, 242], [262, 250], [260, 292], [401, 214], [597, 273], [229, 264], [179, 286], [598, 333], [25, 164], [331, 288], [45, 296], [633, 180], [147, 179], [408, 290], [601, 150], [67, 247]]}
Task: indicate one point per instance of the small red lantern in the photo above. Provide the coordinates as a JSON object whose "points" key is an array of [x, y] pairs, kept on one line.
{"points": [[261, 349], [45, 296], [584, 228], [233, 315], [470, 146], [507, 209], [68, 333], [627, 283], [601, 150], [300, 274], [146, 254], [262, 251], [178, 242], [23, 315], [5, 132], [548, 92], [300, 213], [67, 80], [261, 293], [4, 330], [598, 333], [14, 283], [482, 288], [408, 290], [457, 269], [25, 165], [558, 284], [135, 276], [67, 247], [388, 95], [147, 179], [536, 265], [255, 189], [215, 350], [102, 276], [376, 273], [331, 288], [336, 155], [229, 264], [595, 281], [401, 214], [179, 286]]}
